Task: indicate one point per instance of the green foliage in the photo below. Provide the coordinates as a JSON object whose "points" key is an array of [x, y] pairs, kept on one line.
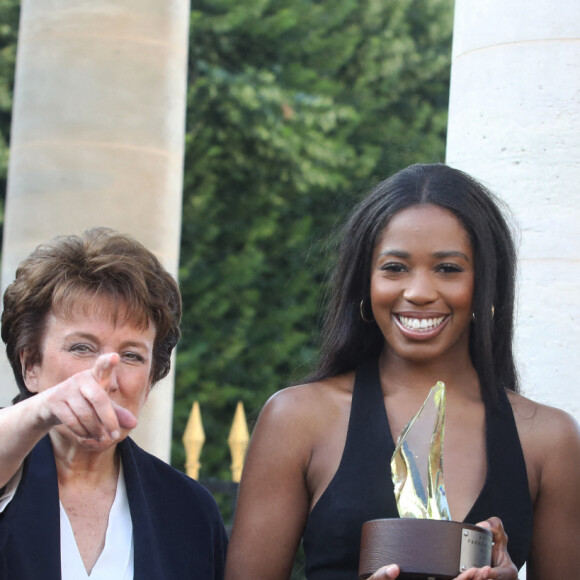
{"points": [[294, 108], [9, 13]]}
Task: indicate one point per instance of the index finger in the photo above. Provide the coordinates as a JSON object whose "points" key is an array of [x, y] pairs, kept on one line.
{"points": [[104, 368], [96, 393], [386, 572], [495, 526]]}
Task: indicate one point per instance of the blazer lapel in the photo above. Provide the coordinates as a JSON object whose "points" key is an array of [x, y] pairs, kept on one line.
{"points": [[148, 565], [33, 528]]}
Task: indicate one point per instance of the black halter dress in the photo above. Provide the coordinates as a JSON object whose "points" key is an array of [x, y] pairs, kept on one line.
{"points": [[362, 488]]}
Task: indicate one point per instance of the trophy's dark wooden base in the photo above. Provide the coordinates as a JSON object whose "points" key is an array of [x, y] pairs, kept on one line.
{"points": [[423, 549]]}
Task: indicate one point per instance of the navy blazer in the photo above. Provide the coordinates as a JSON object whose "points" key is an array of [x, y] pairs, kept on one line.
{"points": [[178, 532]]}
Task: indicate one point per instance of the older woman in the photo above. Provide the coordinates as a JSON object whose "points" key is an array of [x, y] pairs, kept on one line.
{"points": [[89, 325]]}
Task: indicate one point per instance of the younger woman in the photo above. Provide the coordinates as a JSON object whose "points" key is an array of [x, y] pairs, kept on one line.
{"points": [[423, 291]]}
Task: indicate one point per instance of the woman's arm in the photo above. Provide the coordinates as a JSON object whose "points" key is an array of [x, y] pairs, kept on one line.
{"points": [[81, 403], [273, 501], [554, 552]]}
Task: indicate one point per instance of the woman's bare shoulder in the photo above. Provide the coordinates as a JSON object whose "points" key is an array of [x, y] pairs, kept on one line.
{"points": [[302, 404], [294, 421], [540, 416], [543, 427]]}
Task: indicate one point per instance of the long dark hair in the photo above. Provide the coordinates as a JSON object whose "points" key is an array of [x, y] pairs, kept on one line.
{"points": [[347, 340]]}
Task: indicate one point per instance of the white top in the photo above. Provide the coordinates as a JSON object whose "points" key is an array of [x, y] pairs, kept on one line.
{"points": [[10, 489], [115, 561]]}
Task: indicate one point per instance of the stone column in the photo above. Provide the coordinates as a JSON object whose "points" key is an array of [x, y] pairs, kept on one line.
{"points": [[98, 138], [514, 123]]}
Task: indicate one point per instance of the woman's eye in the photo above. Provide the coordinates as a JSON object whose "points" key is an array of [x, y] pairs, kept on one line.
{"points": [[133, 357], [81, 348], [449, 268], [393, 267]]}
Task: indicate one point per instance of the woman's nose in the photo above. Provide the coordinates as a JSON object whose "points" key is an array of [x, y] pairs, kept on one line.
{"points": [[420, 289], [112, 383]]}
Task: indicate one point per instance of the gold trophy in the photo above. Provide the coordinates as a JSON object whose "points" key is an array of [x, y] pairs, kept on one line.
{"points": [[423, 541]]}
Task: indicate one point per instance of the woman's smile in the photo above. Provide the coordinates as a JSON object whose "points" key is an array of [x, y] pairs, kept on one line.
{"points": [[420, 327]]}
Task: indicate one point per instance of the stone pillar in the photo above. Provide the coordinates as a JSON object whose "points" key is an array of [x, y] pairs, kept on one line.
{"points": [[514, 123], [98, 138]]}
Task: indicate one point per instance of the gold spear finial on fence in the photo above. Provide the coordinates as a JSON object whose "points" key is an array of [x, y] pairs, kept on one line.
{"points": [[238, 442], [193, 440]]}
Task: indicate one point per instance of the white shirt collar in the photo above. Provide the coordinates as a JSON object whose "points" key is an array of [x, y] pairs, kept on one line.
{"points": [[116, 559]]}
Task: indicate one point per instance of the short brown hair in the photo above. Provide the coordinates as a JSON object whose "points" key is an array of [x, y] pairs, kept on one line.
{"points": [[100, 262]]}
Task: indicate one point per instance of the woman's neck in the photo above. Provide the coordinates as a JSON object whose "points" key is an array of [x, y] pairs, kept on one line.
{"points": [[398, 374], [83, 467]]}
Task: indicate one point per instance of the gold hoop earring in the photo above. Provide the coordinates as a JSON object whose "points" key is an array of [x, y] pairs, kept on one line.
{"points": [[492, 313], [362, 313]]}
